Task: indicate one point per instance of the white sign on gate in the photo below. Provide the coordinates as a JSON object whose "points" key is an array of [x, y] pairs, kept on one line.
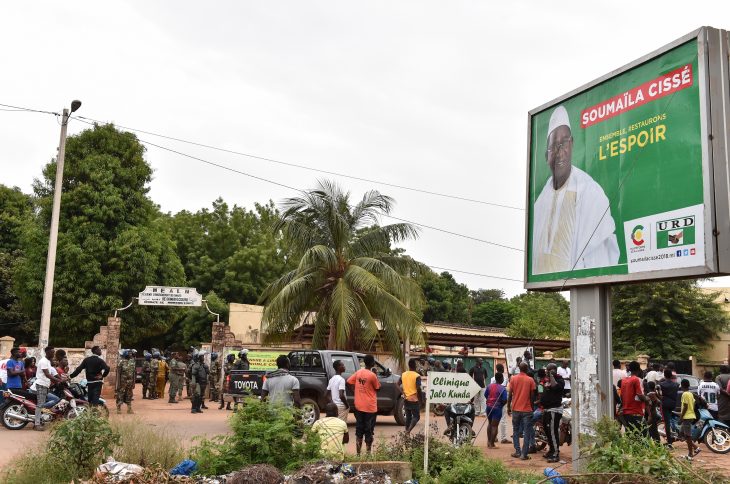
{"points": [[170, 296]]}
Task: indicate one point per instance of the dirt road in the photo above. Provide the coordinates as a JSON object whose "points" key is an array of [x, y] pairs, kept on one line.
{"points": [[177, 419]]}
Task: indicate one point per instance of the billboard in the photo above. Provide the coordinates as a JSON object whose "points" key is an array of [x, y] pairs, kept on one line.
{"points": [[620, 176]]}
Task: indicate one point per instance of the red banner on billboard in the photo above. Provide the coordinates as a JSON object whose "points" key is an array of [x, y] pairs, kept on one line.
{"points": [[649, 91]]}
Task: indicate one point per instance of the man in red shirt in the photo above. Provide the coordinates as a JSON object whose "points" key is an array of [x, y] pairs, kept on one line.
{"points": [[366, 385], [633, 398], [522, 392]]}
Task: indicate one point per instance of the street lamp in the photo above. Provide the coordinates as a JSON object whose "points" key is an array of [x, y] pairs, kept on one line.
{"points": [[53, 239]]}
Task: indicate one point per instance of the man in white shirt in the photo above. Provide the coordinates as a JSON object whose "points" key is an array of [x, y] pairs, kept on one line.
{"points": [[565, 372], [655, 374], [336, 388], [710, 391], [572, 223], [618, 373], [44, 378]]}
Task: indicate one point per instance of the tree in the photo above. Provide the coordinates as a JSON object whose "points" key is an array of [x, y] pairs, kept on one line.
{"points": [[667, 320], [446, 299], [233, 252], [349, 279], [481, 296], [497, 313], [16, 211], [112, 241], [540, 315]]}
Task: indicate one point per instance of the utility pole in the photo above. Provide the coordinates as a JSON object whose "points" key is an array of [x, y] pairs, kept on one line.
{"points": [[53, 239]]}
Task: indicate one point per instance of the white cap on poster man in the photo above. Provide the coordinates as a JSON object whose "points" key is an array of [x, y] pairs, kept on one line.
{"points": [[557, 119]]}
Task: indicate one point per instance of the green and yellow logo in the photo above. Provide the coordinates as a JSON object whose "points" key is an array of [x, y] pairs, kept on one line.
{"points": [[675, 232]]}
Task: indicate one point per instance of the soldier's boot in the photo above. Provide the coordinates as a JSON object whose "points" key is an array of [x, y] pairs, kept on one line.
{"points": [[228, 405], [119, 408], [172, 399], [222, 403], [358, 445], [202, 403], [193, 402], [129, 408]]}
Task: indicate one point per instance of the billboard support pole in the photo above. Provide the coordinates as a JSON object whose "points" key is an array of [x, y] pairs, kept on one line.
{"points": [[591, 348]]}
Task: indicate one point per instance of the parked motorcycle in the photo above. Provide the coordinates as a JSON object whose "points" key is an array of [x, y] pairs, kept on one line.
{"points": [[19, 409], [565, 429], [715, 434], [459, 421], [81, 390], [438, 409]]}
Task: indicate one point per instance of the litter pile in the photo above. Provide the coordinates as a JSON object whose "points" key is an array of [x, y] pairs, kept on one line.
{"points": [[321, 472], [324, 472]]}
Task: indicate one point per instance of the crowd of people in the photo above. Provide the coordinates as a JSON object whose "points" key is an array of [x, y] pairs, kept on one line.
{"points": [[646, 399]]}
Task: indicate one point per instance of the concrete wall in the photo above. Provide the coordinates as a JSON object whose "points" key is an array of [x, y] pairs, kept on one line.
{"points": [[244, 321]]}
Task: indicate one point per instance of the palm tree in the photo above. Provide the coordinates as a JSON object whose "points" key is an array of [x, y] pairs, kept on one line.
{"points": [[349, 280]]}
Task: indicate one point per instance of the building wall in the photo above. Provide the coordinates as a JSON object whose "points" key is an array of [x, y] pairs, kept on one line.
{"points": [[245, 322]]}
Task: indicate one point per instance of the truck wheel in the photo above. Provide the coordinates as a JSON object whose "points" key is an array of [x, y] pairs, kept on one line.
{"points": [[400, 412], [310, 411]]}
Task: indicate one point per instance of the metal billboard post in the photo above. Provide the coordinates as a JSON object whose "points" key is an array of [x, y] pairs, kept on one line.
{"points": [[590, 348]]}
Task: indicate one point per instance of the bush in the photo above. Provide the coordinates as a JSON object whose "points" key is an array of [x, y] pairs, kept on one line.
{"points": [[263, 433], [446, 464], [612, 451], [141, 444], [75, 448]]}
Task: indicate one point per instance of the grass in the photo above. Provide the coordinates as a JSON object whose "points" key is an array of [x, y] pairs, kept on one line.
{"points": [[143, 444]]}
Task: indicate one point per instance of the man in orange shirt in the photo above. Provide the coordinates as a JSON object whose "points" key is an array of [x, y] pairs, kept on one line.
{"points": [[522, 390], [366, 403]]}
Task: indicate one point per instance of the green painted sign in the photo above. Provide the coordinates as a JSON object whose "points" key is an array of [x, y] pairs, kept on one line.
{"points": [[616, 182]]}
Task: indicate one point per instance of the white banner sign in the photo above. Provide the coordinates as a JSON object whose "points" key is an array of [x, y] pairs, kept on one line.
{"points": [[170, 296], [451, 387]]}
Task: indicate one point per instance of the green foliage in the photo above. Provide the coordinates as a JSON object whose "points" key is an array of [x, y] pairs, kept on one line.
{"points": [[446, 464], [613, 451], [446, 299], [481, 296], [111, 242], [144, 445], [540, 315], [16, 209], [263, 433], [497, 313], [349, 276], [83, 442], [666, 320], [37, 466]]}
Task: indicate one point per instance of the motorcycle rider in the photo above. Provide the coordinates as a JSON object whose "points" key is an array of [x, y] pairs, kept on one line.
{"points": [[551, 401], [45, 376], [125, 381], [227, 366]]}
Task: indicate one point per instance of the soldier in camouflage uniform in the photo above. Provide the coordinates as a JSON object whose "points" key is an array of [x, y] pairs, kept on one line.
{"points": [[227, 367], [198, 381], [154, 368], [214, 378], [177, 374], [125, 381], [146, 375]]}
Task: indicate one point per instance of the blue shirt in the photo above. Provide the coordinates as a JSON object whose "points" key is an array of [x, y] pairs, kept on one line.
{"points": [[15, 381]]}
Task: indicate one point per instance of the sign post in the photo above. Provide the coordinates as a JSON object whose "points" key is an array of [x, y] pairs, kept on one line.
{"points": [[170, 296], [628, 181], [446, 388]]}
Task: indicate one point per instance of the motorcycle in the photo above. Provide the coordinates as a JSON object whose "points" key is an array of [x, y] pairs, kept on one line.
{"points": [[19, 409], [715, 434], [459, 422], [565, 428], [438, 409], [80, 390]]}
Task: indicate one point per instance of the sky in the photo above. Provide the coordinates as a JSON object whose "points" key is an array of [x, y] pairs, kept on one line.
{"points": [[432, 95]]}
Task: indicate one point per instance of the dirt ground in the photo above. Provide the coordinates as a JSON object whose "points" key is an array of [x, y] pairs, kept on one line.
{"points": [[177, 419]]}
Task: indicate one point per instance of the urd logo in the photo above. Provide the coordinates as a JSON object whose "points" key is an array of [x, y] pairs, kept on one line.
{"points": [[637, 235], [675, 232]]}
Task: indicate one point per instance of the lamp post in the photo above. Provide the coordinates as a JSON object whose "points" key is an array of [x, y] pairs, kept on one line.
{"points": [[53, 239]]}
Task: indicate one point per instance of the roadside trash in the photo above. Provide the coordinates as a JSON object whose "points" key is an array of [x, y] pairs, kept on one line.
{"points": [[259, 474], [328, 473], [117, 471], [184, 468], [554, 475], [411, 481]]}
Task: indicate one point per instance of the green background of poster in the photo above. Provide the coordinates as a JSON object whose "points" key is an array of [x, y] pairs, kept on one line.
{"points": [[658, 178]]}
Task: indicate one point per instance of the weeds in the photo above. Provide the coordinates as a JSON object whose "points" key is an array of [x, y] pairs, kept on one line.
{"points": [[142, 444]]}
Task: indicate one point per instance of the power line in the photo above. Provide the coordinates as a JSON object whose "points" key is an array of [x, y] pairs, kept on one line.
{"points": [[309, 168], [476, 274], [30, 110], [283, 185]]}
